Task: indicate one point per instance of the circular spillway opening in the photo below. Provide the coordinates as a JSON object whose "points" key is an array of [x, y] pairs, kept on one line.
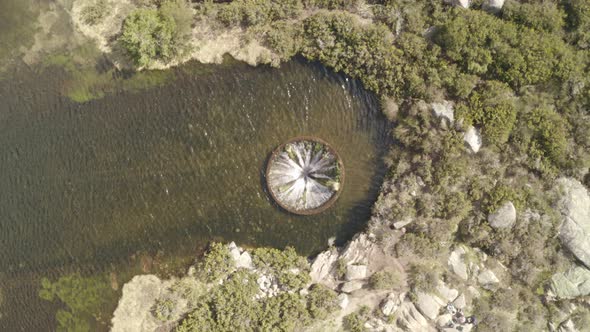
{"points": [[305, 175]]}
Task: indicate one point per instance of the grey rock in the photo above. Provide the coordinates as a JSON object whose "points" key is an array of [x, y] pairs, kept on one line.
{"points": [[429, 304], [460, 302], [493, 6], [323, 266], [391, 303], [410, 319], [444, 110], [358, 250], [457, 264], [443, 320], [402, 223], [473, 138], [567, 326], [351, 286], [133, 311], [356, 272], [342, 301], [487, 279], [574, 232], [448, 294], [244, 261], [503, 217], [459, 3], [573, 283]]}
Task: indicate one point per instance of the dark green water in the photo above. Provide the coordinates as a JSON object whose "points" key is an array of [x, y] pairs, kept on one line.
{"points": [[85, 186]]}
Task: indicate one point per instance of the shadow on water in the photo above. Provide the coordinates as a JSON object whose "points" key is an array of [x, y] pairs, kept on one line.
{"points": [[169, 169]]}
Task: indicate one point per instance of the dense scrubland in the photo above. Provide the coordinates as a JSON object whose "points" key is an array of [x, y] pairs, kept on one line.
{"points": [[520, 75]]}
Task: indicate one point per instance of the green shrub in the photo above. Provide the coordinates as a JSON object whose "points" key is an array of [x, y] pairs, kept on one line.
{"points": [[216, 264], [332, 4], [93, 14], [289, 268], [228, 307], [485, 45], [490, 107], [321, 301], [366, 53], [161, 34], [544, 16], [355, 322], [385, 280], [163, 309], [578, 18], [284, 312], [424, 276]]}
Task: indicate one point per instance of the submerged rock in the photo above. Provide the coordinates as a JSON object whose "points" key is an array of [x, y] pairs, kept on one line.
{"points": [[504, 216], [575, 209], [571, 284]]}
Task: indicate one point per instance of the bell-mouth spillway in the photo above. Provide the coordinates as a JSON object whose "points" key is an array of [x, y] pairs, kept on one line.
{"points": [[305, 175]]}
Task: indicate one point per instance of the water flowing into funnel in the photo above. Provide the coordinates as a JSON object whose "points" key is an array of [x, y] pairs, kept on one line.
{"points": [[305, 175]]}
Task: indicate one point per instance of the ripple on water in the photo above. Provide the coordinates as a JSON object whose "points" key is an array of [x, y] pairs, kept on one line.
{"points": [[87, 185]]}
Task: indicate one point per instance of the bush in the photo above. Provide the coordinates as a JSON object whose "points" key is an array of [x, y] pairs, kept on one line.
{"points": [[490, 107], [484, 45], [93, 14], [366, 53], [385, 280], [355, 322], [216, 264], [289, 268], [544, 16], [321, 301], [284, 312], [424, 276], [163, 309], [228, 307], [157, 34]]}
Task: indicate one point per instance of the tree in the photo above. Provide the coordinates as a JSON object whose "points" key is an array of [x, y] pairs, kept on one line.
{"points": [[151, 34]]}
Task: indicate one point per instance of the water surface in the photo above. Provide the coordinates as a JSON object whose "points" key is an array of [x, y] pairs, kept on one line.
{"points": [[86, 186]]}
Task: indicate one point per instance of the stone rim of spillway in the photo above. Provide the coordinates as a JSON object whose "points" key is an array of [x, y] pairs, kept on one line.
{"points": [[305, 175]]}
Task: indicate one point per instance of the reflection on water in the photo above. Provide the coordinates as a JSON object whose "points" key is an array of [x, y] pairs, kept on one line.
{"points": [[85, 186]]}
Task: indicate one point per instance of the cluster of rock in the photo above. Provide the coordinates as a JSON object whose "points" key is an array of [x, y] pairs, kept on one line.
{"points": [[136, 310], [348, 271]]}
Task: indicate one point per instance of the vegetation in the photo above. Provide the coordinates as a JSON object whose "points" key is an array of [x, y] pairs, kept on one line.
{"points": [[385, 280], [157, 34], [288, 267], [216, 264], [83, 298], [520, 76], [355, 322], [94, 13], [238, 305]]}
